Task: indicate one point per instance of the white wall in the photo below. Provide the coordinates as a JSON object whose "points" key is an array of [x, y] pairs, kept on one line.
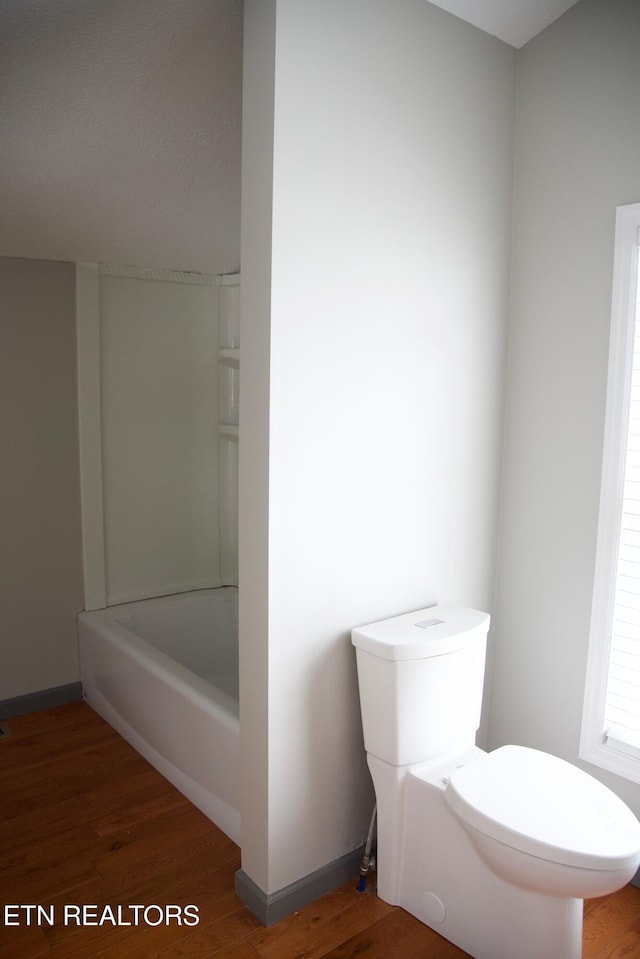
{"points": [[253, 453], [40, 548], [389, 248], [578, 149]]}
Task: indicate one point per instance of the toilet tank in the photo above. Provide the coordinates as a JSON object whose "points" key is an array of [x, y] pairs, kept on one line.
{"points": [[420, 677]]}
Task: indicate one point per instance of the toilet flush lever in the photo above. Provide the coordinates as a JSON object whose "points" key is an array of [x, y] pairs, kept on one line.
{"points": [[426, 623]]}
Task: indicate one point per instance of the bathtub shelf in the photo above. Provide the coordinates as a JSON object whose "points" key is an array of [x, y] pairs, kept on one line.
{"points": [[229, 357], [228, 418]]}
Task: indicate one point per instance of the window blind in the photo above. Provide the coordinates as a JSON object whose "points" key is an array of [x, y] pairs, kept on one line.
{"points": [[622, 709]]}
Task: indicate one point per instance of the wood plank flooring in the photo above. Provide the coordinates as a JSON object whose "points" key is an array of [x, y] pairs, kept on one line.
{"points": [[85, 820]]}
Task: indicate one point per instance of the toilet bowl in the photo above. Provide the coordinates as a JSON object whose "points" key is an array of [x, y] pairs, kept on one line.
{"points": [[545, 825], [495, 851]]}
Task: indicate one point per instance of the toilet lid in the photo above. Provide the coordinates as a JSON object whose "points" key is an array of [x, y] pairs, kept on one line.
{"points": [[546, 807]]}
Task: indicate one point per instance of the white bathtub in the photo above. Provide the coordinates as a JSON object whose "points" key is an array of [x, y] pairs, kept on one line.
{"points": [[164, 673]]}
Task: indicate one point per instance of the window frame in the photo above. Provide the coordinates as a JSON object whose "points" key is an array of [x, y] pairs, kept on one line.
{"points": [[594, 746]]}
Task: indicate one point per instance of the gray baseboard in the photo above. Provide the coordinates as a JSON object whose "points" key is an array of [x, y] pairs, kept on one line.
{"points": [[42, 699], [269, 908]]}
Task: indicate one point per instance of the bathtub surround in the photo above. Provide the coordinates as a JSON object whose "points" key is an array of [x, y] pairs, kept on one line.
{"points": [[158, 353], [158, 371]]}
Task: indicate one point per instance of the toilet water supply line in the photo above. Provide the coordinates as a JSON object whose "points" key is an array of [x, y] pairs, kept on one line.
{"points": [[364, 866]]}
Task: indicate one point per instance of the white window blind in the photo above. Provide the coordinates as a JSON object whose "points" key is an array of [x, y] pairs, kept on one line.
{"points": [[622, 707], [610, 736]]}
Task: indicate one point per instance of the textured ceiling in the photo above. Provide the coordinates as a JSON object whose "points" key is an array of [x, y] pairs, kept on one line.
{"points": [[121, 131], [514, 21], [121, 125]]}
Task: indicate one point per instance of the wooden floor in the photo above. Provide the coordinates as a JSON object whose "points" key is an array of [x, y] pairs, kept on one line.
{"points": [[85, 820]]}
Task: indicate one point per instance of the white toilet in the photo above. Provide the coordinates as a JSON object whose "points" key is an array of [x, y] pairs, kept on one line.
{"points": [[495, 851]]}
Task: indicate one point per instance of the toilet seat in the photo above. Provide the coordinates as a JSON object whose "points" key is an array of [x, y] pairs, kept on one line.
{"points": [[544, 806]]}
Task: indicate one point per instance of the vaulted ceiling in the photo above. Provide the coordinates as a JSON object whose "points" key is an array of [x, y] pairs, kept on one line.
{"points": [[514, 21]]}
